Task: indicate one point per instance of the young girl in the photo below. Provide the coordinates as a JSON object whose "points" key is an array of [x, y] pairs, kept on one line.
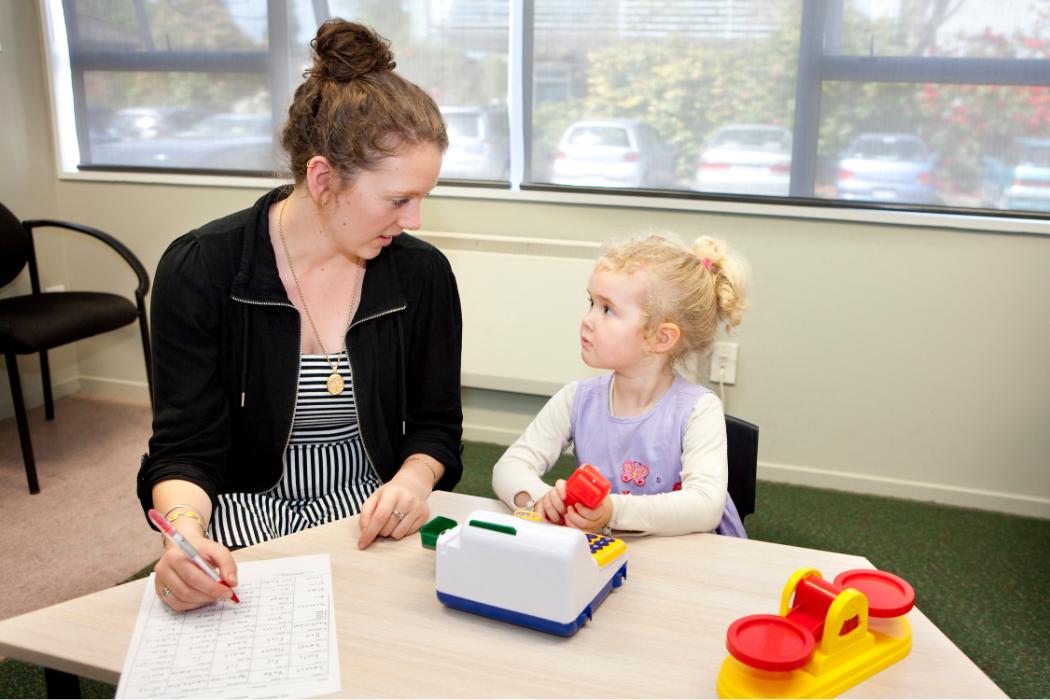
{"points": [[659, 439]]}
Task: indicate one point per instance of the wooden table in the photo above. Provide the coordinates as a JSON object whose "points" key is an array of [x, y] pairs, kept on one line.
{"points": [[662, 634]]}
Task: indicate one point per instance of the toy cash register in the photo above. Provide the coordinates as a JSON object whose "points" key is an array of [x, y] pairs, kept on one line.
{"points": [[538, 575]]}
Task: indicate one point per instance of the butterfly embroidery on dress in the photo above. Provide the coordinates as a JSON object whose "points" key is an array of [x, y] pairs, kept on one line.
{"points": [[635, 471]]}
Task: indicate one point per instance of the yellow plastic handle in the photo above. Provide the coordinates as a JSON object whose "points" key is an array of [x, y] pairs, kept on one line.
{"points": [[847, 605], [792, 584]]}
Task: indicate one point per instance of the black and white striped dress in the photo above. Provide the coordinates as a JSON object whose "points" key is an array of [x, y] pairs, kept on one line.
{"points": [[326, 472]]}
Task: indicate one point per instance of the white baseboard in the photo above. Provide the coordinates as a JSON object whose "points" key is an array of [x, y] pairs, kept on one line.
{"points": [[1012, 503], [33, 395], [122, 389], [86, 385], [484, 433], [1016, 504]]}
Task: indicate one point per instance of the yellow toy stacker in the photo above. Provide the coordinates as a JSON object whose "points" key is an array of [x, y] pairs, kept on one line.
{"points": [[778, 656]]}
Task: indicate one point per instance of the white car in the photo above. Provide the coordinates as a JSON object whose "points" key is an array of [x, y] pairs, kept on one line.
{"points": [[613, 153], [746, 159], [478, 143]]}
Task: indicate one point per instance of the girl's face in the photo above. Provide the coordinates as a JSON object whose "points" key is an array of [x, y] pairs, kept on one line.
{"points": [[367, 215], [612, 333]]}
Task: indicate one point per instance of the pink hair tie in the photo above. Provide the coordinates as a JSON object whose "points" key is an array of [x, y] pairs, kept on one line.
{"points": [[706, 262]]}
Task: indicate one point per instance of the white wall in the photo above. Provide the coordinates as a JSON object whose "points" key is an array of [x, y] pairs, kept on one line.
{"points": [[27, 177], [896, 360]]}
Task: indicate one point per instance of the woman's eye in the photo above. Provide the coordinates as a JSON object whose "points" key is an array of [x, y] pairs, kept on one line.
{"points": [[400, 202]]}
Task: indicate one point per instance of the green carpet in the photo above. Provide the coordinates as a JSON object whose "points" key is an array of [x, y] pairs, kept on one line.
{"points": [[983, 578]]}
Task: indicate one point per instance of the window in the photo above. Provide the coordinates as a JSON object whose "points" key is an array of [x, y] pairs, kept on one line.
{"points": [[203, 85], [890, 103], [153, 84]]}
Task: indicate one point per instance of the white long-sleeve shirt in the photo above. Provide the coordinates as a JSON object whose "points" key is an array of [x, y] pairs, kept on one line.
{"points": [[697, 507]]}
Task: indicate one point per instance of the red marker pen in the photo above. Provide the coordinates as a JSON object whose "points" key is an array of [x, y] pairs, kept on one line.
{"points": [[176, 537]]}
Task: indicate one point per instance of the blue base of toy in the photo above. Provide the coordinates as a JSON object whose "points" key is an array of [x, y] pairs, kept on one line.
{"points": [[564, 629]]}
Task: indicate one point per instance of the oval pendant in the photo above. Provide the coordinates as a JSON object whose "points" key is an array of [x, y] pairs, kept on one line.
{"points": [[335, 383]]}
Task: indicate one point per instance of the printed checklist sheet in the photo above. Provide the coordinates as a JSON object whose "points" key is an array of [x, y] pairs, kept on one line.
{"points": [[279, 642]]}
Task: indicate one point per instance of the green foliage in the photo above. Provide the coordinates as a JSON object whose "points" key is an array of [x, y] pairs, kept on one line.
{"points": [[976, 120], [171, 25]]}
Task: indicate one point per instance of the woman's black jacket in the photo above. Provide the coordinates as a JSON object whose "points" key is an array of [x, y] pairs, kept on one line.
{"points": [[226, 345]]}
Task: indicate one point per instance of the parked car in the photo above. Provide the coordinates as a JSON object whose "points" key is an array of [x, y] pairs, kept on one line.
{"points": [[135, 123], [1021, 179], [613, 153], [225, 141], [478, 143], [746, 159], [887, 167]]}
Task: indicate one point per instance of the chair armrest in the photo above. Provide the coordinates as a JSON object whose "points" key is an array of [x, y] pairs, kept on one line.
{"points": [[120, 248]]}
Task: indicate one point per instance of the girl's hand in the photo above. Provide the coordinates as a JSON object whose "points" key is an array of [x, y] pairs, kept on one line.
{"points": [[395, 509], [552, 504], [590, 520], [183, 586]]}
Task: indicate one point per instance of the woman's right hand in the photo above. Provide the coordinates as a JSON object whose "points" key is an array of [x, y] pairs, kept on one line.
{"points": [[183, 586]]}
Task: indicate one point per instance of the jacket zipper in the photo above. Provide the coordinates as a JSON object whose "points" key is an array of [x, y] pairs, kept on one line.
{"points": [[360, 421], [377, 315], [288, 438]]}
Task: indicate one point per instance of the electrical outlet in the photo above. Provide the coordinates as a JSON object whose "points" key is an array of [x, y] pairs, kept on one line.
{"points": [[723, 363]]}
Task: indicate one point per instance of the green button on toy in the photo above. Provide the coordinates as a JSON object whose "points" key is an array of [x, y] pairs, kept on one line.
{"points": [[430, 532]]}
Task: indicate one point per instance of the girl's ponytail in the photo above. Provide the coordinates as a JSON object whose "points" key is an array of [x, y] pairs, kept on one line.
{"points": [[730, 273]]}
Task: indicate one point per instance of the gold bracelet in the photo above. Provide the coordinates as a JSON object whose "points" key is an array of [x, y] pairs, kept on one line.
{"points": [[426, 464], [187, 511]]}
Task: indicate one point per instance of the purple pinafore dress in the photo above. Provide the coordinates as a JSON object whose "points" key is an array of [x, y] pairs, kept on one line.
{"points": [[640, 455]]}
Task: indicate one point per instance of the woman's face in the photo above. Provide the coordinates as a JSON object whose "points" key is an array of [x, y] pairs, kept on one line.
{"points": [[379, 204]]}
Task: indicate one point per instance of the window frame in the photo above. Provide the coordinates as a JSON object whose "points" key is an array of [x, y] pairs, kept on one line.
{"points": [[816, 66]]}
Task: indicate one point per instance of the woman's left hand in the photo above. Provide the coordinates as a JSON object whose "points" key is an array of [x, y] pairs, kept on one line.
{"points": [[395, 509]]}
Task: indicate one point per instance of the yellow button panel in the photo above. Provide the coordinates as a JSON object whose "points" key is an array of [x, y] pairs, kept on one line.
{"points": [[605, 549]]}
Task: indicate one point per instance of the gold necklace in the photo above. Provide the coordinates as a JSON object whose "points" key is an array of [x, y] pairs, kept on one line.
{"points": [[335, 381]]}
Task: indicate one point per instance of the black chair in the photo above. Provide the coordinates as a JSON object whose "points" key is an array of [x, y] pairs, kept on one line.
{"points": [[37, 322], [742, 446]]}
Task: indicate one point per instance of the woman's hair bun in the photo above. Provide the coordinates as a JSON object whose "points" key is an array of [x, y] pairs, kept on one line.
{"points": [[347, 50]]}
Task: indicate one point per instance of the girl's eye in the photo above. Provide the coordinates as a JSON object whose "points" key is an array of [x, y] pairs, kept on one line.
{"points": [[607, 310], [400, 202], [590, 303]]}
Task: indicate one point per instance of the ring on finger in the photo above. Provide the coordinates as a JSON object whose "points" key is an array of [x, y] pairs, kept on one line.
{"points": [[398, 515], [165, 592]]}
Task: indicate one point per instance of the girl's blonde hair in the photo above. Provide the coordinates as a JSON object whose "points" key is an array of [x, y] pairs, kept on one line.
{"points": [[695, 289]]}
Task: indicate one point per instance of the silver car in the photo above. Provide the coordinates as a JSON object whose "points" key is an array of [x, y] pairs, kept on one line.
{"points": [[746, 159], [887, 167], [478, 143], [1020, 179], [225, 141], [613, 153]]}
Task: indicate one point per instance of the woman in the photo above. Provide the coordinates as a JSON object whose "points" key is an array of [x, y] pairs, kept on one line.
{"points": [[307, 352]]}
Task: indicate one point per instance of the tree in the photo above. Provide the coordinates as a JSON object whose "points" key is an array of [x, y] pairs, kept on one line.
{"points": [[166, 25]]}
